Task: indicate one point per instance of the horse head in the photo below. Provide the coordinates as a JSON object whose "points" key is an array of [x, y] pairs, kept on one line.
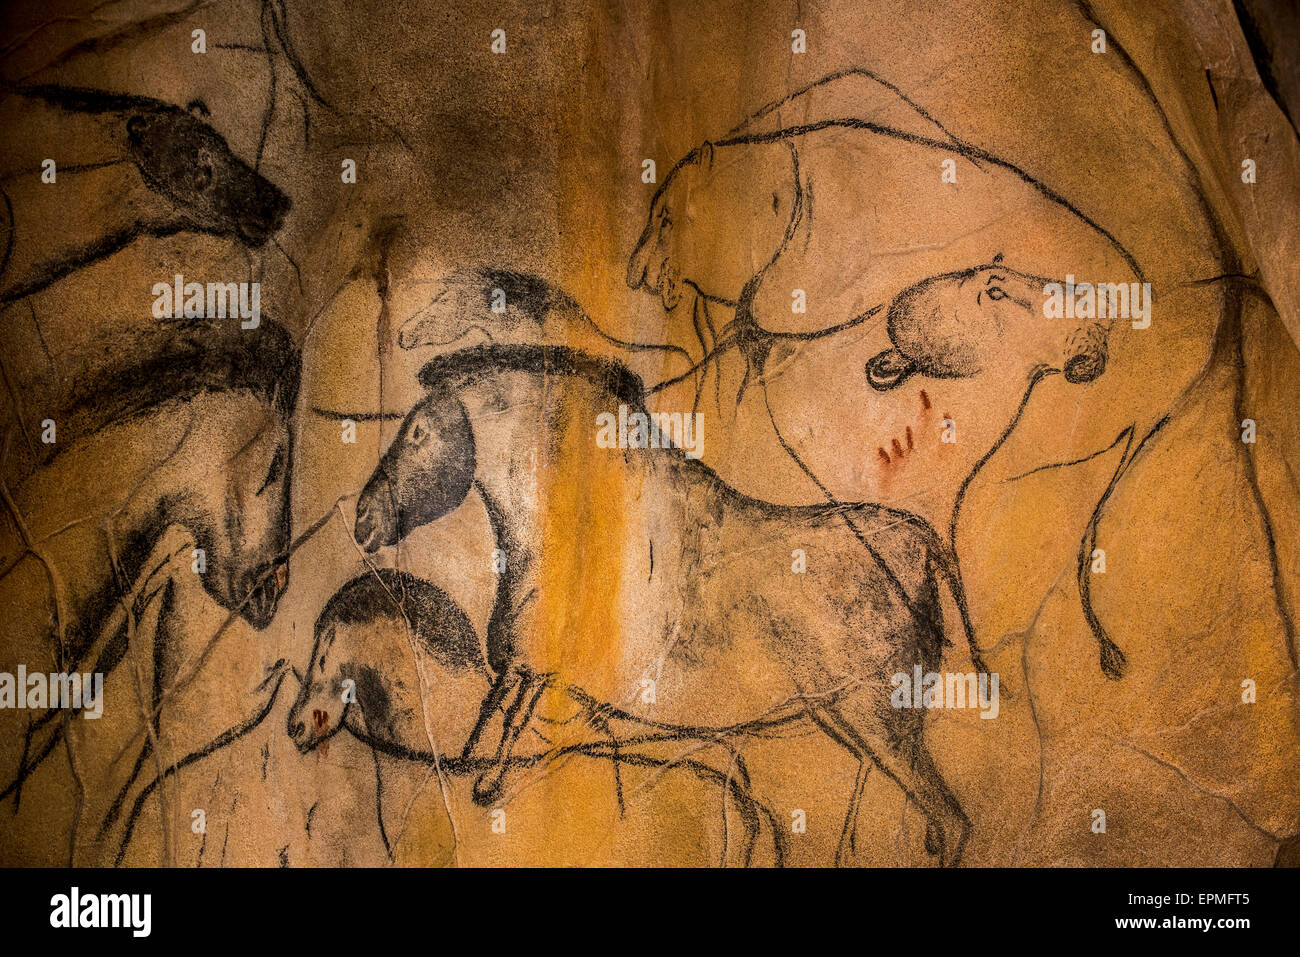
{"points": [[228, 481], [323, 701], [426, 472], [362, 636], [181, 157]]}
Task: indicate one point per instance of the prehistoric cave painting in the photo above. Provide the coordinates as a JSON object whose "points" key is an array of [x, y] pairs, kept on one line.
{"points": [[509, 640], [503, 306], [824, 653], [353, 683], [184, 179], [847, 258], [183, 402], [942, 328], [987, 318]]}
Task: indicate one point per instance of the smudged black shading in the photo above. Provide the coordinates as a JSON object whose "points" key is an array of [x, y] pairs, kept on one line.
{"points": [[530, 299], [177, 360], [1269, 27], [180, 157], [174, 359], [435, 619], [872, 731], [377, 596]]}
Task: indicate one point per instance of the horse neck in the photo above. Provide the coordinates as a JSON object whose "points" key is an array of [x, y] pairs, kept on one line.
{"points": [[109, 507], [508, 418], [545, 433]]}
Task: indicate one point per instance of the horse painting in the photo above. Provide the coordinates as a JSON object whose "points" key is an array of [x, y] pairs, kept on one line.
{"points": [[189, 429], [693, 584]]}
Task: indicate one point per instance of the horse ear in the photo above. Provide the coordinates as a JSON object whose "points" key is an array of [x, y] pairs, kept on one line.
{"points": [[706, 156]]}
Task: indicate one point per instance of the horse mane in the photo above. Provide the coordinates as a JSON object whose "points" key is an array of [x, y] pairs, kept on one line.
{"points": [[434, 616], [135, 371], [531, 293], [469, 365]]}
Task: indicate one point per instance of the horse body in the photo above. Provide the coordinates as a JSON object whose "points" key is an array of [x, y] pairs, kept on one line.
{"points": [[703, 582], [674, 579]]}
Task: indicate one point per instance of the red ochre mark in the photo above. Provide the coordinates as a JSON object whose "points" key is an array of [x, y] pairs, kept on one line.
{"points": [[321, 719], [896, 445]]}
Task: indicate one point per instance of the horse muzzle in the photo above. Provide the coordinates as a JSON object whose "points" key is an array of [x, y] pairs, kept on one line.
{"points": [[376, 509], [260, 605]]}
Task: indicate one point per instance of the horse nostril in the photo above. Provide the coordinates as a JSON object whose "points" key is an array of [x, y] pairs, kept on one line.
{"points": [[297, 729]]}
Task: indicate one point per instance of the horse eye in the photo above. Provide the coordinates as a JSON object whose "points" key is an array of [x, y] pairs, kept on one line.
{"points": [[995, 293], [203, 177], [322, 662], [417, 433]]}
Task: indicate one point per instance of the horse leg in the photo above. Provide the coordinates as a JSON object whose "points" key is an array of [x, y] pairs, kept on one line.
{"points": [[901, 753], [830, 721], [531, 686], [598, 718], [497, 694]]}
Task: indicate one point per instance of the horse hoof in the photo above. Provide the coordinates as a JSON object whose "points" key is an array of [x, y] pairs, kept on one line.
{"points": [[487, 789], [932, 843]]}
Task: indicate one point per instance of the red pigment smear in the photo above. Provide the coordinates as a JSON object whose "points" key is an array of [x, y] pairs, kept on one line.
{"points": [[925, 400], [898, 449], [321, 719], [909, 438], [883, 454]]}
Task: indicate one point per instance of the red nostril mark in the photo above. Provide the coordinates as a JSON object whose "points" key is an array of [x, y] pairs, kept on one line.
{"points": [[281, 576], [321, 719], [925, 400], [909, 438], [883, 455], [898, 449]]}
